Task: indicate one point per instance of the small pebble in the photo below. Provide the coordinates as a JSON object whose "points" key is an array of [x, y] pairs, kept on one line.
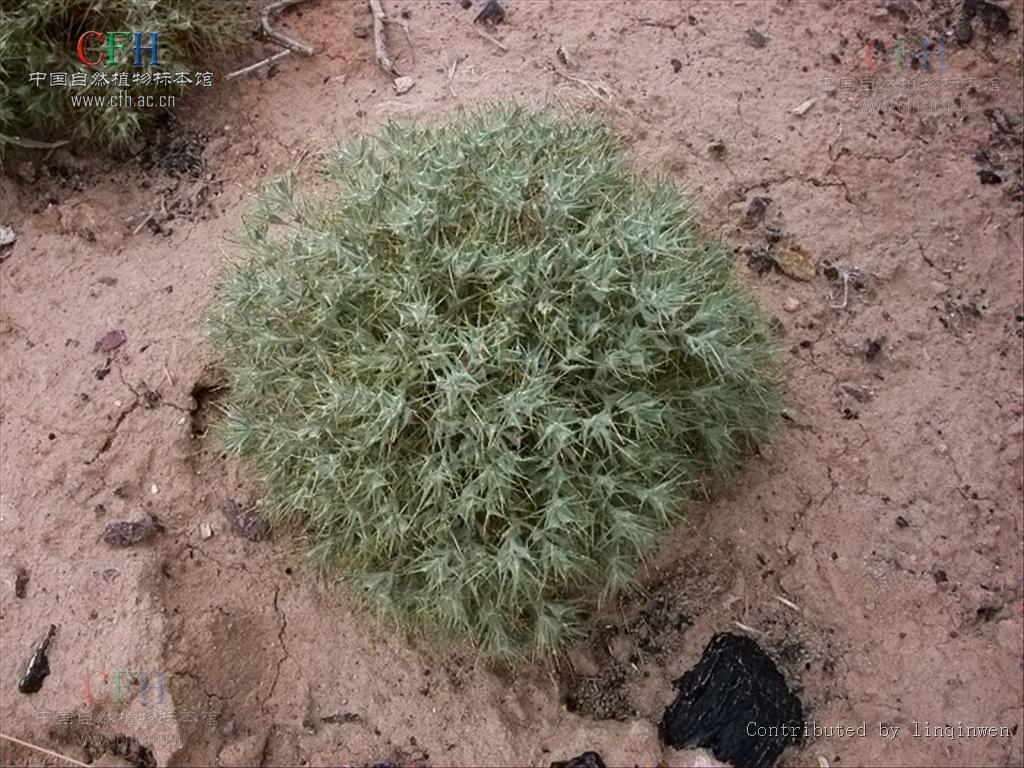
{"points": [[7, 236], [403, 84], [757, 38], [791, 304], [110, 341]]}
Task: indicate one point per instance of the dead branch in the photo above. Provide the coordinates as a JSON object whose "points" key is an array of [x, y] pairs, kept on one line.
{"points": [[258, 65], [31, 143], [44, 750], [379, 41], [280, 37], [491, 39]]}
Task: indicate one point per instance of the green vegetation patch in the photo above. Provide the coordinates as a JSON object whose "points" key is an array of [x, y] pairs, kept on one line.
{"points": [[487, 368], [42, 36]]}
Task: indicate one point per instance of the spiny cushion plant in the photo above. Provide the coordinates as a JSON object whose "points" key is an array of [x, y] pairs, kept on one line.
{"points": [[41, 36], [487, 368]]}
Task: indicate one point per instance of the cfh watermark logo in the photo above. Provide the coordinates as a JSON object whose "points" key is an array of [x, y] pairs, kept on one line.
{"points": [[97, 49], [928, 52], [117, 685]]}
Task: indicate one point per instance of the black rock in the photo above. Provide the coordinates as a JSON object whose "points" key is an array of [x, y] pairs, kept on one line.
{"points": [[38, 667], [734, 687], [586, 760], [492, 13]]}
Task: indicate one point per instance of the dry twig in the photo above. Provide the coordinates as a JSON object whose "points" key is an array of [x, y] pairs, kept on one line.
{"points": [[491, 39], [45, 751], [291, 45], [258, 64], [280, 37], [379, 38], [31, 143], [847, 276]]}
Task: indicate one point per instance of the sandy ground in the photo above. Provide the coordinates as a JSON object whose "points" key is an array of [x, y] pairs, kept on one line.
{"points": [[874, 549]]}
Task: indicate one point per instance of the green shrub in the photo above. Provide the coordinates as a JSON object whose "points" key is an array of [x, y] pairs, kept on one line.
{"points": [[42, 36], [487, 368]]}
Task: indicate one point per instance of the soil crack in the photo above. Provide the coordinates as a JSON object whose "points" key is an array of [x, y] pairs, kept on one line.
{"points": [[109, 441], [283, 627]]}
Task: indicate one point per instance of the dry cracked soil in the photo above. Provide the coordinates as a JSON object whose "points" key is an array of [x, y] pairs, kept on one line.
{"points": [[873, 549]]}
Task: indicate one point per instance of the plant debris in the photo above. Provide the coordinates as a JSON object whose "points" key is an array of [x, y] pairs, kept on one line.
{"points": [[959, 314], [38, 667], [994, 19], [128, 533], [735, 683], [859, 392], [756, 210], [761, 260], [129, 748], [793, 261], [341, 718], [245, 521], [999, 160], [804, 108], [21, 582], [873, 348], [843, 279]]}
